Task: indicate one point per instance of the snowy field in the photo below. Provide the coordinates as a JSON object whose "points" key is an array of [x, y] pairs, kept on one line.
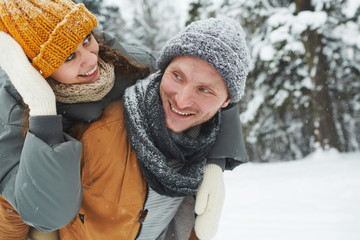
{"points": [[316, 198]]}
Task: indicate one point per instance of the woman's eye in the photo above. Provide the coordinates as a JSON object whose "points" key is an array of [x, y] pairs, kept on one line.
{"points": [[87, 39], [69, 58]]}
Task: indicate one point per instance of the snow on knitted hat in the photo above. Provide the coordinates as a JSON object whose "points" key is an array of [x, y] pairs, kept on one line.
{"points": [[47, 30], [218, 41]]}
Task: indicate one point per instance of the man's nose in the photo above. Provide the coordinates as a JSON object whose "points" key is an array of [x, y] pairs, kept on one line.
{"points": [[184, 98]]}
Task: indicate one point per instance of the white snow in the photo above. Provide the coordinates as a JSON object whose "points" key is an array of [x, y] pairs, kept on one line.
{"points": [[280, 97], [346, 34], [284, 20], [352, 6], [267, 53], [316, 198], [253, 106], [310, 19]]}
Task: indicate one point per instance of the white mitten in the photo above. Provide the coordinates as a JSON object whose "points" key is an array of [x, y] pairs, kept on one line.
{"points": [[32, 87], [209, 201]]}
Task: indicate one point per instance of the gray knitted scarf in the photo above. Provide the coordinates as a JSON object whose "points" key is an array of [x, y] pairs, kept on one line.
{"points": [[154, 143]]}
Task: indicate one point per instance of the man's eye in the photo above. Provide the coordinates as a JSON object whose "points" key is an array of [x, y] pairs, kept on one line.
{"points": [[87, 39], [177, 76], [69, 58], [204, 90]]}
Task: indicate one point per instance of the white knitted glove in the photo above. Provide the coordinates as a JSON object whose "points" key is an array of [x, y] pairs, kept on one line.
{"points": [[209, 201], [32, 87]]}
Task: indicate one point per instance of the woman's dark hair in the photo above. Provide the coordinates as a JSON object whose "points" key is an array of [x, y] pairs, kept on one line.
{"points": [[122, 64]]}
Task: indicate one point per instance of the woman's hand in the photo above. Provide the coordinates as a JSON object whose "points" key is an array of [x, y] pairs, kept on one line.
{"points": [[32, 87], [209, 201]]}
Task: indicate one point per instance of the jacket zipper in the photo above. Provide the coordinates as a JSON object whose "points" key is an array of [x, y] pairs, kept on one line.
{"points": [[143, 213]]}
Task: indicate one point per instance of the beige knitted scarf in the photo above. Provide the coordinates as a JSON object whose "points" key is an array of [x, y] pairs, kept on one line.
{"points": [[87, 92]]}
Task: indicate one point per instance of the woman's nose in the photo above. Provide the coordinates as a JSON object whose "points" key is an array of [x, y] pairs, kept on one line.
{"points": [[88, 59]]}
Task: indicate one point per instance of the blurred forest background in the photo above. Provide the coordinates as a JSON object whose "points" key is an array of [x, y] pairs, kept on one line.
{"points": [[303, 91]]}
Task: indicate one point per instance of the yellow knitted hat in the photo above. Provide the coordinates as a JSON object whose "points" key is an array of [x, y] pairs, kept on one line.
{"points": [[47, 30]]}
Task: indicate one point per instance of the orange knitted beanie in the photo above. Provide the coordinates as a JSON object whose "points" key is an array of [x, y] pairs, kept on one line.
{"points": [[49, 31]]}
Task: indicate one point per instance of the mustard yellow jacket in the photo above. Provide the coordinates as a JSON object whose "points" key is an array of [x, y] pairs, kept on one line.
{"points": [[114, 189]]}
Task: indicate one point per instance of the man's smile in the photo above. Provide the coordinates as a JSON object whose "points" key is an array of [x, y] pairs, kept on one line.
{"points": [[178, 112]]}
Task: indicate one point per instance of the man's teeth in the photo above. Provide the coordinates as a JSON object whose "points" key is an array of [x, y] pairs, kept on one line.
{"points": [[90, 72], [180, 113]]}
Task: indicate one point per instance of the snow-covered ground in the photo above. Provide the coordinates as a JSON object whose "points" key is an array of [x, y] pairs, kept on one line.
{"points": [[316, 198]]}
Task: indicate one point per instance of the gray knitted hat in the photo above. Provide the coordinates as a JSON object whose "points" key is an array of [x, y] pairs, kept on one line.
{"points": [[218, 41]]}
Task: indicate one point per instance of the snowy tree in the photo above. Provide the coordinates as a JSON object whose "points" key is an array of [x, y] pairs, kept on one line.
{"points": [[152, 23], [112, 22], [303, 90], [200, 9]]}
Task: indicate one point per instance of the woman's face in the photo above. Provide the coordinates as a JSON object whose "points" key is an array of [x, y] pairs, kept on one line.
{"points": [[82, 65]]}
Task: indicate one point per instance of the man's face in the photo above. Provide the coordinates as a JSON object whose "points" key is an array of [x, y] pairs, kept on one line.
{"points": [[192, 92]]}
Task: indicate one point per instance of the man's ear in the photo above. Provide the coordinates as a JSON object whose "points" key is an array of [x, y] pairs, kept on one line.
{"points": [[226, 103]]}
